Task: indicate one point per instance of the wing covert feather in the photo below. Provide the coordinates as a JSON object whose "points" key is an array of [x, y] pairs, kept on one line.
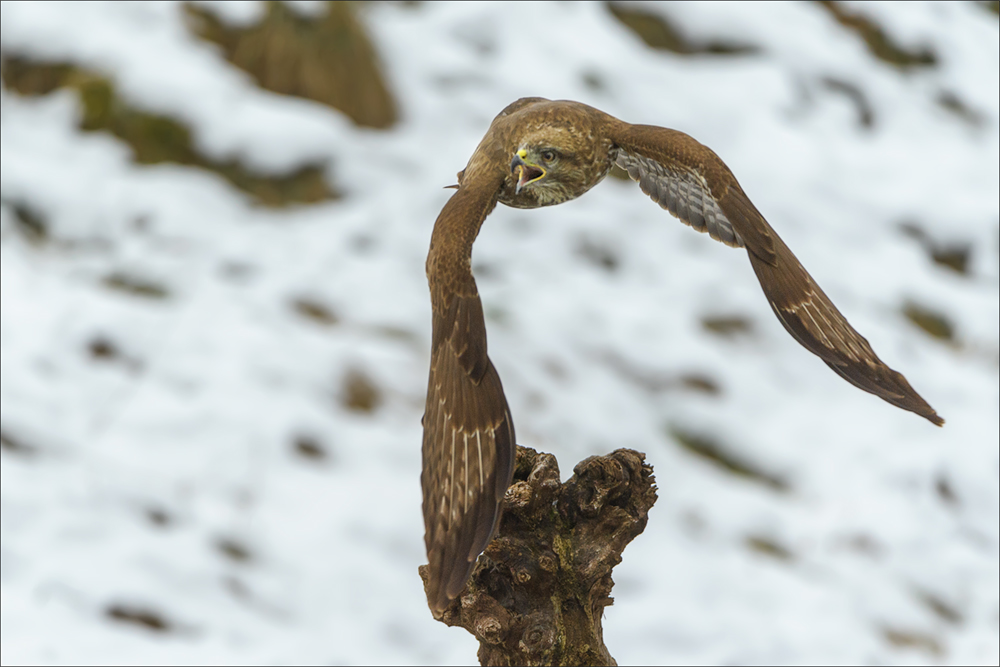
{"points": [[689, 180]]}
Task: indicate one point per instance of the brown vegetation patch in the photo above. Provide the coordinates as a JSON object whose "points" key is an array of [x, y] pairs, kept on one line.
{"points": [[728, 326], [15, 445], [103, 349], [30, 222], [159, 517], [701, 384], [309, 447], [713, 451], [945, 491], [944, 610], [953, 104], [768, 547], [359, 393], [155, 138], [598, 254], [315, 311], [140, 616], [659, 33], [865, 111], [327, 58], [913, 639], [136, 286], [879, 43], [933, 323], [955, 255], [233, 549], [655, 382]]}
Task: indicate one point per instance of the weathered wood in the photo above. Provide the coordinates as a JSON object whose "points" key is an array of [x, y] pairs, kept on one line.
{"points": [[537, 594]]}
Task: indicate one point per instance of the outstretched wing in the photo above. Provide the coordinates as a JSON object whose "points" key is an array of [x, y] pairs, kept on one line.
{"points": [[691, 182], [468, 447]]}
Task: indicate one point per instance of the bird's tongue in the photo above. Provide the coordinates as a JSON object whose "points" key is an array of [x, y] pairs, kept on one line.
{"points": [[528, 174]]}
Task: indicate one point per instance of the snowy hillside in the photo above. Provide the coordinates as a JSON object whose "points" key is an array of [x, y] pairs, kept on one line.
{"points": [[210, 401]]}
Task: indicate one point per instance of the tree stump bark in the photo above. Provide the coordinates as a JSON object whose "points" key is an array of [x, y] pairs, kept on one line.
{"points": [[538, 592]]}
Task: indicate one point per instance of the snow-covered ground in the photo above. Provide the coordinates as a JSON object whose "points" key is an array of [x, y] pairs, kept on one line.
{"points": [[169, 475]]}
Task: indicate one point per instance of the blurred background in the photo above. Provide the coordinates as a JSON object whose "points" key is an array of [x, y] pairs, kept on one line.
{"points": [[215, 325]]}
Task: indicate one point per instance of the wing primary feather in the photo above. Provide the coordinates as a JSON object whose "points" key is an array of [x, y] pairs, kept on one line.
{"points": [[791, 292], [465, 390], [694, 184]]}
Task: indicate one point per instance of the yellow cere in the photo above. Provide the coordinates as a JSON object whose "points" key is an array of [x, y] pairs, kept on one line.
{"points": [[522, 153]]}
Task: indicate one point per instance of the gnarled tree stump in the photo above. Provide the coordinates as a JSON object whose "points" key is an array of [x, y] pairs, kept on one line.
{"points": [[537, 594]]}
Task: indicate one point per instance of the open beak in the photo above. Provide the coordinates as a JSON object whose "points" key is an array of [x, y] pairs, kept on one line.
{"points": [[526, 171]]}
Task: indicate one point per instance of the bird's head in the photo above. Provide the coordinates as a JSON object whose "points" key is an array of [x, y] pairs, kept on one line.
{"points": [[546, 173], [551, 151], [553, 168]]}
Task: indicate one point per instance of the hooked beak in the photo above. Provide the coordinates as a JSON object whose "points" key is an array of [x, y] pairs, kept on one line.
{"points": [[527, 172]]}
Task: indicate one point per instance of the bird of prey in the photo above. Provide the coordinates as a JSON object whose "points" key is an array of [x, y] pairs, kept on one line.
{"points": [[540, 153]]}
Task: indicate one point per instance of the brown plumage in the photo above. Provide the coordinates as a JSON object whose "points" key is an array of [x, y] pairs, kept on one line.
{"points": [[540, 153]]}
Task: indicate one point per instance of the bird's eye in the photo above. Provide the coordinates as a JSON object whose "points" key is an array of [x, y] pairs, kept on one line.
{"points": [[548, 156]]}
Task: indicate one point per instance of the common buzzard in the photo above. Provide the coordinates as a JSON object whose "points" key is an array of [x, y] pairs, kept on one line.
{"points": [[541, 153]]}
